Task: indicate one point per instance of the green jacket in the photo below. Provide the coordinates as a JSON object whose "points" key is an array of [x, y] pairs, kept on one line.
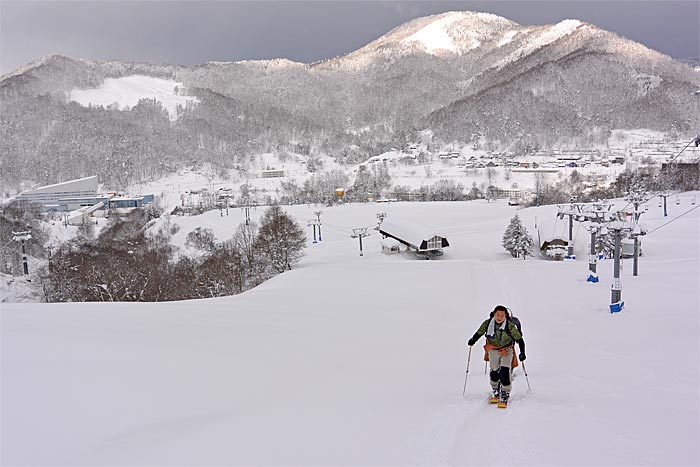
{"points": [[500, 337]]}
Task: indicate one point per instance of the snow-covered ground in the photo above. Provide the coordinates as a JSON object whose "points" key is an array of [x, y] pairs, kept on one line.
{"points": [[350, 360], [16, 289], [129, 90]]}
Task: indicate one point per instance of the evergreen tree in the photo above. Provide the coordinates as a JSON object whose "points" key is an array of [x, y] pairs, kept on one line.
{"points": [[516, 239]]}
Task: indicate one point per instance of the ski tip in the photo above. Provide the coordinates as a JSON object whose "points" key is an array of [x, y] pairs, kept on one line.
{"points": [[501, 405]]}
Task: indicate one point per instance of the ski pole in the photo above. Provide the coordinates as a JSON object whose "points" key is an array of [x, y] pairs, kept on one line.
{"points": [[469, 357], [486, 364], [526, 378]]}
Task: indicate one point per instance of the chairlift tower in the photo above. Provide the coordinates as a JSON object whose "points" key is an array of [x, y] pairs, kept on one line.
{"points": [[313, 223], [637, 197], [636, 232], [246, 209], [597, 217], [619, 228], [22, 238], [573, 211], [360, 233], [318, 219], [664, 196]]}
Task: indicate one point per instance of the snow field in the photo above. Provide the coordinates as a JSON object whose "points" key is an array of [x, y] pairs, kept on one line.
{"points": [[361, 360], [129, 90]]}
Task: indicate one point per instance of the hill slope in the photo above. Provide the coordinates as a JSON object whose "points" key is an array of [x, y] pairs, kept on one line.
{"points": [[361, 360]]}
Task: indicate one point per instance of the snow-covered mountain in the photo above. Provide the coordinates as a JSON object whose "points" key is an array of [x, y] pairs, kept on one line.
{"points": [[466, 76]]}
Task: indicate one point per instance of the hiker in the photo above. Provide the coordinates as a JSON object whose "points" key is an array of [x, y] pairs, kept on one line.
{"points": [[501, 335]]}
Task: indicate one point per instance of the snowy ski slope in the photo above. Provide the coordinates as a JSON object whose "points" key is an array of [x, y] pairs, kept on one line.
{"points": [[351, 360]]}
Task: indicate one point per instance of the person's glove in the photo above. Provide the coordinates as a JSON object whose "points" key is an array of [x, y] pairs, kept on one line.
{"points": [[522, 356], [471, 341]]}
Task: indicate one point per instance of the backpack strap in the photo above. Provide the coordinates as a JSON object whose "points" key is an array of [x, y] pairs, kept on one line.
{"points": [[521, 343], [508, 323]]}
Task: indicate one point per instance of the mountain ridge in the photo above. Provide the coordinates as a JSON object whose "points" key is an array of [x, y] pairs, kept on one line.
{"points": [[550, 83]]}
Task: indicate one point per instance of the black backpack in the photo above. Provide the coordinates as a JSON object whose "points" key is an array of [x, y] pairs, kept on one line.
{"points": [[516, 321]]}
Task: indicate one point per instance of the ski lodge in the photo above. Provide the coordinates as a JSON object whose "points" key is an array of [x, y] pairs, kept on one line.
{"points": [[554, 248], [80, 195], [422, 240]]}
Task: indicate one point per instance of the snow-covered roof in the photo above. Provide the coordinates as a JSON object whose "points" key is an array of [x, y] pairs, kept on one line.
{"points": [[409, 233], [79, 184], [555, 239]]}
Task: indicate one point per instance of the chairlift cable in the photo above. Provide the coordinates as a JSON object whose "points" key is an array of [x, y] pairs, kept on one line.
{"points": [[675, 218], [337, 226], [669, 162], [335, 230]]}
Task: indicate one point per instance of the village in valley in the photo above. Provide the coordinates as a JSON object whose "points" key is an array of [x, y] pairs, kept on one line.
{"points": [[420, 172]]}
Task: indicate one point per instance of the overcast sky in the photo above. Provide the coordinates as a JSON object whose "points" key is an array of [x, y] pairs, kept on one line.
{"points": [[192, 32]]}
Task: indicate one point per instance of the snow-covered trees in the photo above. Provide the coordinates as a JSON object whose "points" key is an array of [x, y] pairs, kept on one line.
{"points": [[124, 264], [320, 188], [517, 240], [201, 238], [367, 181]]}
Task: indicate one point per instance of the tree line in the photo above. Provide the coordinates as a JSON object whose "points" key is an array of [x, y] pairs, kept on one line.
{"points": [[128, 263]]}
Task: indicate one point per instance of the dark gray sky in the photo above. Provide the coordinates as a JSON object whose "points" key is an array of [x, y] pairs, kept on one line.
{"points": [[191, 32]]}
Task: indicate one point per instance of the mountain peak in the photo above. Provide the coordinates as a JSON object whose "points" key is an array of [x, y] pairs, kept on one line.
{"points": [[454, 31]]}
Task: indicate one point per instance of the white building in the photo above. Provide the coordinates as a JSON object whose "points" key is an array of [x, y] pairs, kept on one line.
{"points": [[272, 173], [65, 196]]}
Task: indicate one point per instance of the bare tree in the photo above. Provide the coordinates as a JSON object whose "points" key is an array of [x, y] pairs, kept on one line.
{"points": [[280, 241], [244, 241]]}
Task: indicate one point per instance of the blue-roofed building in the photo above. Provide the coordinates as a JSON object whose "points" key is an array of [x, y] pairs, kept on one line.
{"points": [[125, 202]]}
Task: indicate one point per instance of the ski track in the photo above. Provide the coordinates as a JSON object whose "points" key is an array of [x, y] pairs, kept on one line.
{"points": [[157, 433], [450, 427]]}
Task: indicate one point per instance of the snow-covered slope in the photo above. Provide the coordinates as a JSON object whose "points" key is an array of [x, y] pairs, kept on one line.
{"points": [[455, 32], [536, 39], [353, 360], [129, 90]]}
